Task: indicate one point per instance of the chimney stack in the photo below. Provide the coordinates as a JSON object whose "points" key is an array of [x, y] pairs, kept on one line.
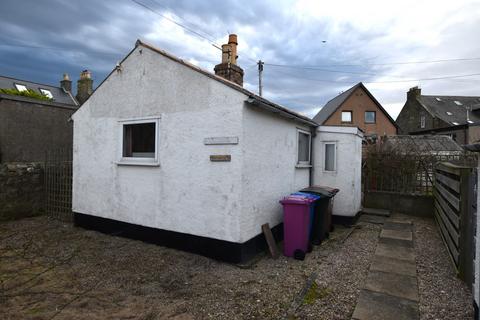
{"points": [[414, 93], [228, 69], [66, 83], [84, 86]]}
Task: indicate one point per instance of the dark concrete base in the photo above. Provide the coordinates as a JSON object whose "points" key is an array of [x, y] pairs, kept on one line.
{"points": [[345, 220], [379, 306], [213, 248], [415, 205]]}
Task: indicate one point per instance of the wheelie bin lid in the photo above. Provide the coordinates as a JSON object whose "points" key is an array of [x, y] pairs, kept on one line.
{"points": [[308, 195], [297, 199], [323, 190]]}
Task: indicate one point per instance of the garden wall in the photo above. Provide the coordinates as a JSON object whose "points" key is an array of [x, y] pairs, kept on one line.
{"points": [[416, 205], [21, 190]]}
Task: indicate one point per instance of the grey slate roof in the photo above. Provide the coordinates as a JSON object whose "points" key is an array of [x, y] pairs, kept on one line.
{"points": [[336, 102], [421, 144], [59, 95], [438, 106], [333, 105]]}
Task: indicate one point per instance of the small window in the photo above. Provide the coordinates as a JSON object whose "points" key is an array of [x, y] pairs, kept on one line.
{"points": [[346, 116], [330, 154], [20, 87], [370, 117], [422, 121], [46, 93], [303, 148], [139, 142]]}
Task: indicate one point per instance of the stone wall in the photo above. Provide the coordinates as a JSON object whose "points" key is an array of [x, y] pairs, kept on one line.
{"points": [[21, 190]]}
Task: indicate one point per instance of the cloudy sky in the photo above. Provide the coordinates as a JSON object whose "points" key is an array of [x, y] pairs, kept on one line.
{"points": [[312, 50]]}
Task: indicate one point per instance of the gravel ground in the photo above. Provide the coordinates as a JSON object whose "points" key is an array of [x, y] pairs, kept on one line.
{"points": [[442, 294], [51, 270]]}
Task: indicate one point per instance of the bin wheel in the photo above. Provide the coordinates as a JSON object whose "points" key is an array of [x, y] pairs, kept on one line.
{"points": [[309, 248], [327, 235], [299, 254], [317, 242]]}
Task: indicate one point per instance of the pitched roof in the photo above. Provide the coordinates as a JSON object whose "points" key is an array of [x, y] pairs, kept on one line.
{"points": [[59, 95], [254, 99], [452, 109], [336, 102], [421, 144]]}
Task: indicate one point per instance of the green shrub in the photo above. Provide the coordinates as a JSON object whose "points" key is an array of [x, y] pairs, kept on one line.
{"points": [[28, 93]]}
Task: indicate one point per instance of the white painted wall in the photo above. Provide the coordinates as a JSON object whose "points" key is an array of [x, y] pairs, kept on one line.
{"points": [[476, 285], [187, 193], [347, 176], [269, 168]]}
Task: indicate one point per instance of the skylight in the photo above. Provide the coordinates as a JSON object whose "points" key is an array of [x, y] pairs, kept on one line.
{"points": [[455, 123], [438, 99], [458, 103], [470, 121], [449, 113], [20, 87], [46, 93]]}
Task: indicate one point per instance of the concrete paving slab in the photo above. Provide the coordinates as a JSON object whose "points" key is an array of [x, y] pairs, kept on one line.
{"points": [[397, 226], [379, 306], [397, 234], [396, 242], [397, 285], [385, 264], [367, 218], [377, 212], [396, 252]]}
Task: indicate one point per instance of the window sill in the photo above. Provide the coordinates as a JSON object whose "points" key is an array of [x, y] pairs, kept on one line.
{"points": [[136, 163], [303, 166]]}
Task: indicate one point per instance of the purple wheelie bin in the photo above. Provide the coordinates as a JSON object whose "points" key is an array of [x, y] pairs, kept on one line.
{"points": [[296, 223]]}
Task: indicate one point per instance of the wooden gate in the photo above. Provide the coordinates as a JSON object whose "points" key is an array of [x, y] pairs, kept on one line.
{"points": [[455, 212], [58, 184]]}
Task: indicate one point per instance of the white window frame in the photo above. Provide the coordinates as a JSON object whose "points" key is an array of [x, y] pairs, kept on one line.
{"points": [[48, 94], [23, 87], [324, 156], [349, 112], [136, 161], [304, 163]]}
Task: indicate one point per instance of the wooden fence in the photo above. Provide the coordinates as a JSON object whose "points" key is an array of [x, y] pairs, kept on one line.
{"points": [[405, 173], [455, 212]]}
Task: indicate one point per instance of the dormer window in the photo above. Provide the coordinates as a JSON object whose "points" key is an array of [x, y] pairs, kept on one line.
{"points": [[20, 87], [458, 103], [46, 93]]}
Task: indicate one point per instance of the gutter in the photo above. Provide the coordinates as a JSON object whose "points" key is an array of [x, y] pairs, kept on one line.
{"points": [[281, 111], [313, 134]]}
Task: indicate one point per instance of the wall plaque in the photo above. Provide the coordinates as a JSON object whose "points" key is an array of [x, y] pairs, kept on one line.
{"points": [[220, 140], [220, 157]]}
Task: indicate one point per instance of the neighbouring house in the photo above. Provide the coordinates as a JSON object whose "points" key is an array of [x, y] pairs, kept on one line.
{"points": [[34, 119], [168, 152], [357, 107], [455, 116], [420, 145]]}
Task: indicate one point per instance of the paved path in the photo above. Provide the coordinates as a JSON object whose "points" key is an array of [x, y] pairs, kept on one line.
{"points": [[390, 290]]}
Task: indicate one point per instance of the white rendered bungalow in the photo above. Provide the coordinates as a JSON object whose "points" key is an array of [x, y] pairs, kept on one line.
{"points": [[168, 152]]}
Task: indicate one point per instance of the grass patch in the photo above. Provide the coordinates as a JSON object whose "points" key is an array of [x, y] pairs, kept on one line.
{"points": [[315, 293], [27, 93]]}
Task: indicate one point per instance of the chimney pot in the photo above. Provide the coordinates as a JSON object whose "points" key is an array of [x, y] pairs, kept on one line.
{"points": [[414, 93], [84, 86], [228, 68], [66, 84]]}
